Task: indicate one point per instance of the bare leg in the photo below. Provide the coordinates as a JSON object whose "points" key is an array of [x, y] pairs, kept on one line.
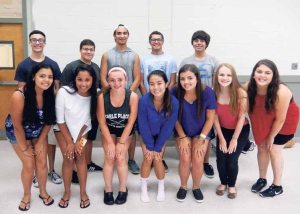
{"points": [[263, 158], [184, 167], [88, 151], [277, 163], [121, 164]]}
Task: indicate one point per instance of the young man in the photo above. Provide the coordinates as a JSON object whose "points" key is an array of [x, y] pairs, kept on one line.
{"points": [[157, 60], [87, 52], [123, 56], [37, 41], [206, 65]]}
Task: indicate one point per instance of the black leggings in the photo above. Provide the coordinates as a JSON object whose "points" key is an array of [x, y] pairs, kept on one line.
{"points": [[228, 163]]}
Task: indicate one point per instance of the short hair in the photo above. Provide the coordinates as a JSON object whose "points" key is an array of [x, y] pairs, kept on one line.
{"points": [[86, 42], [200, 34], [37, 32], [120, 25], [156, 33]]}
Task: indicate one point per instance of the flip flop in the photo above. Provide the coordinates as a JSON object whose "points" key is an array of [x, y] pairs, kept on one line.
{"points": [[83, 203], [46, 199], [26, 207], [64, 204]]}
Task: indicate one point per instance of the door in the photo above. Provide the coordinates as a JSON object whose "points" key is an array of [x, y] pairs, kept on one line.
{"points": [[11, 34]]}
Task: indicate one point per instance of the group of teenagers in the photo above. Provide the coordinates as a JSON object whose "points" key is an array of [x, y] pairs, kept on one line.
{"points": [[203, 98]]}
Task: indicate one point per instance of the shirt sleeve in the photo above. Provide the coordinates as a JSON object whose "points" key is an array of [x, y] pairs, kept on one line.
{"points": [[143, 124], [211, 98], [60, 106], [167, 127], [173, 66], [20, 75]]}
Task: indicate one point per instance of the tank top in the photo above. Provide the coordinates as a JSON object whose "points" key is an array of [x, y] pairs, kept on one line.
{"points": [[226, 118], [117, 117], [125, 59], [262, 121], [31, 130]]}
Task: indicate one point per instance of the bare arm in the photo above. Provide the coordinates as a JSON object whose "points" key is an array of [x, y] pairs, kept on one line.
{"points": [[172, 81], [143, 89], [134, 99], [103, 71], [101, 118], [16, 113], [136, 74]]}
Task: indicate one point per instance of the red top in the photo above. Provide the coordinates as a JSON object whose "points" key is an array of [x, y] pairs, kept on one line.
{"points": [[262, 121], [226, 118]]}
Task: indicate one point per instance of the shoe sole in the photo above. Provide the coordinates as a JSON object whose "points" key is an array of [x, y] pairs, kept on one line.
{"points": [[180, 200], [133, 172], [209, 176], [199, 201], [270, 196]]}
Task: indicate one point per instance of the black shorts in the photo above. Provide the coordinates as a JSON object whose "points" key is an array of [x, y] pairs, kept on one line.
{"points": [[281, 139], [92, 134]]}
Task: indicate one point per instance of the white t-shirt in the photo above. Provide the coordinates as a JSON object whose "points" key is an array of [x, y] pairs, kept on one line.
{"points": [[163, 62], [74, 110]]}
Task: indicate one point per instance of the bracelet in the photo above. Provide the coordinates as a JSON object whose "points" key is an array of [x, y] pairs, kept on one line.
{"points": [[182, 137], [121, 143], [203, 136]]}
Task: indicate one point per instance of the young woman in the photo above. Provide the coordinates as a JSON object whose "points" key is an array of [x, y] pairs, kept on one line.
{"points": [[157, 115], [197, 104], [75, 106], [116, 112], [32, 113], [274, 118], [231, 125]]}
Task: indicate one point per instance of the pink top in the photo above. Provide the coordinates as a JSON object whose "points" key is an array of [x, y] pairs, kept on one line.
{"points": [[262, 120], [226, 118]]}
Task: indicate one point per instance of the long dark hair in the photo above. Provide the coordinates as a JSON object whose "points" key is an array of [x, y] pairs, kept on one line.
{"points": [[167, 97], [93, 89], [30, 105], [272, 89], [199, 88]]}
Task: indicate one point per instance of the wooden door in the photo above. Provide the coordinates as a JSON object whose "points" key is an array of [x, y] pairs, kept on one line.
{"points": [[12, 33]]}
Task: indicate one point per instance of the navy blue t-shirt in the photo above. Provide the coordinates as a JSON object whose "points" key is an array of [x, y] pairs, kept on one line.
{"points": [[24, 69]]}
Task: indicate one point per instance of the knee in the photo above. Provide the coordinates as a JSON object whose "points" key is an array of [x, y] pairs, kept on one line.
{"points": [[185, 158], [119, 160]]}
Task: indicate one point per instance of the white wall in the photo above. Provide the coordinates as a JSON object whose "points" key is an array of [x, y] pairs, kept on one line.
{"points": [[242, 31]]}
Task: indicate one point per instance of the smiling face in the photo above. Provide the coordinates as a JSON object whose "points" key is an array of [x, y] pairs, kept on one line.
{"points": [[188, 80], [37, 42], [157, 86], [117, 80], [263, 75], [224, 76], [121, 35], [156, 41], [43, 78], [199, 45], [87, 53], [84, 83]]}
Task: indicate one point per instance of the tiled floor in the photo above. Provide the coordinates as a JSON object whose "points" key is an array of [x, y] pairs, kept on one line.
{"points": [[246, 202]]}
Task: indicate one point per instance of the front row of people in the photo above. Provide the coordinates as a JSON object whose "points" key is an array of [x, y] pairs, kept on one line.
{"points": [[191, 109]]}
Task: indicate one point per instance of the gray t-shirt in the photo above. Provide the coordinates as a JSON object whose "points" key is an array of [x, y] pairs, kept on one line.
{"points": [[206, 67], [124, 59], [69, 70]]}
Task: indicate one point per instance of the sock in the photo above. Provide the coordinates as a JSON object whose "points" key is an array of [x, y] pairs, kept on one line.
{"points": [[161, 190], [144, 190]]}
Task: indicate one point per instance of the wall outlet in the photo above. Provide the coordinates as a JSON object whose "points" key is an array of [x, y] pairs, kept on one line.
{"points": [[294, 66]]}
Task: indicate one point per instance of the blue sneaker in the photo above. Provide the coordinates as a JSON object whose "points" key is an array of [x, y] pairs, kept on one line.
{"points": [[133, 167]]}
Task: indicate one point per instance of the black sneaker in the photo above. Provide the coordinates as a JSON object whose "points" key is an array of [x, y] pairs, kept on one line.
{"points": [[75, 179], [208, 170], [181, 194], [108, 198], [93, 167], [165, 166], [198, 195], [272, 191], [259, 185]]}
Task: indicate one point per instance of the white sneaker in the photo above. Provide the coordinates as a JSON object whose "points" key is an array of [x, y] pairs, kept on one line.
{"points": [[54, 177], [35, 182]]}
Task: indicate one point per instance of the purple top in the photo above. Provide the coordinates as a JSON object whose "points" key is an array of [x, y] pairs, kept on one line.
{"points": [[191, 124]]}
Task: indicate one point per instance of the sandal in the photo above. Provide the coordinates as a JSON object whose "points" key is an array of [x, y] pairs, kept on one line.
{"points": [[46, 200], [26, 207], [84, 203], [63, 203]]}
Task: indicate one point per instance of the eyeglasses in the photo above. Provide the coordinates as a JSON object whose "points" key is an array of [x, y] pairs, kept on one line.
{"points": [[88, 49], [156, 40], [34, 40]]}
